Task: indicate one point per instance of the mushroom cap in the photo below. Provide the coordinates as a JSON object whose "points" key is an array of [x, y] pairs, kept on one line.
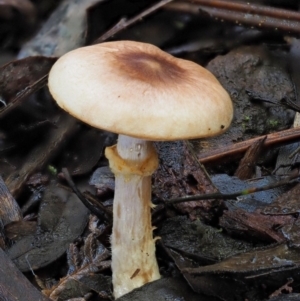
{"points": [[138, 90]]}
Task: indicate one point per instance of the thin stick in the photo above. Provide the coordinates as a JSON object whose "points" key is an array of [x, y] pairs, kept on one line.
{"points": [[253, 15], [40, 83], [251, 8], [258, 21], [123, 23], [232, 195], [274, 139], [98, 209]]}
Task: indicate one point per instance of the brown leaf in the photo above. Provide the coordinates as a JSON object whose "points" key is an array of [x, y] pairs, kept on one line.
{"points": [[254, 224], [254, 262], [62, 218]]}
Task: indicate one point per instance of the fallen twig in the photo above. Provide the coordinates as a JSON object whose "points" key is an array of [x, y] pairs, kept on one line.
{"points": [[255, 15], [233, 195], [123, 23], [95, 207], [274, 139]]}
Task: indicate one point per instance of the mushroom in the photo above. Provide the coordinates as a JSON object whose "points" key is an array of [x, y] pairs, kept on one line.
{"points": [[143, 94]]}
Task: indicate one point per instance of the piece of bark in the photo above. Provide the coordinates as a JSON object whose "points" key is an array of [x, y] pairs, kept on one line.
{"points": [[247, 164], [196, 180], [180, 174], [14, 286], [9, 209]]}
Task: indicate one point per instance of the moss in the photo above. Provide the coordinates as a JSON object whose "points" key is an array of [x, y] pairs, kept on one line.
{"points": [[272, 123], [246, 118]]}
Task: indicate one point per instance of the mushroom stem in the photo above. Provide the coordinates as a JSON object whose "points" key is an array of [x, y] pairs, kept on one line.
{"points": [[133, 248]]}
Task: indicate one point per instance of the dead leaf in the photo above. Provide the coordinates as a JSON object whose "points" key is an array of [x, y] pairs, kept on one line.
{"points": [[21, 78], [62, 218]]}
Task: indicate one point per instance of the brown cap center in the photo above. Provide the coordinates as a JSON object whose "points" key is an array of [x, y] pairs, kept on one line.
{"points": [[150, 68]]}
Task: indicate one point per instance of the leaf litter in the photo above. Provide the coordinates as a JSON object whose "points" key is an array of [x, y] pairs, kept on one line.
{"points": [[230, 256]]}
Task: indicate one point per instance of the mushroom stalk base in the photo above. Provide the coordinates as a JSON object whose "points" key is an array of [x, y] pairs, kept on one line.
{"points": [[133, 247]]}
